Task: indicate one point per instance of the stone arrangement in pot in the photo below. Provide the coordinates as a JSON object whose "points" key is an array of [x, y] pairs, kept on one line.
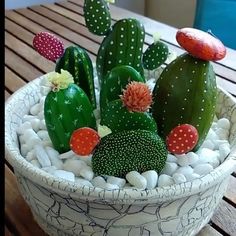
{"points": [[118, 139]]}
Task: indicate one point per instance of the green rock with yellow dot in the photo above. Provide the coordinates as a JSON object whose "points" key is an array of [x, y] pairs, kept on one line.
{"points": [[185, 93], [136, 150]]}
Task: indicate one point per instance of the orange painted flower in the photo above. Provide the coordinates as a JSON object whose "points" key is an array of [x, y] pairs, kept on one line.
{"points": [[137, 97]]}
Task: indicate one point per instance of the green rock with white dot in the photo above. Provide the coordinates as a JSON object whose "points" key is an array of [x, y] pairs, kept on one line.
{"points": [[115, 81], [77, 61], [122, 46], [136, 150], [155, 55], [186, 92], [116, 117], [65, 111], [97, 16]]}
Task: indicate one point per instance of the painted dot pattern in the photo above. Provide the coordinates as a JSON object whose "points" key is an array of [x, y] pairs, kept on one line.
{"points": [[48, 45], [84, 140], [182, 139]]}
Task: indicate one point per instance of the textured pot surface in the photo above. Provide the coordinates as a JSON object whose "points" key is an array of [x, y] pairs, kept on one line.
{"points": [[64, 208]]}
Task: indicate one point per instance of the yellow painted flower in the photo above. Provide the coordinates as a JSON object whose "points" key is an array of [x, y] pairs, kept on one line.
{"points": [[60, 80]]}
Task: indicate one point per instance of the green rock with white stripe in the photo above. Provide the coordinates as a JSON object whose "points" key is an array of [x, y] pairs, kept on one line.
{"points": [[115, 81], [122, 46], [117, 118], [185, 93], [97, 16], [77, 61]]}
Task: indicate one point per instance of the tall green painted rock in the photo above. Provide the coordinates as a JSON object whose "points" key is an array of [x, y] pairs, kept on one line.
{"points": [[77, 62], [185, 93], [66, 109], [97, 16], [125, 151], [115, 81], [122, 46]]}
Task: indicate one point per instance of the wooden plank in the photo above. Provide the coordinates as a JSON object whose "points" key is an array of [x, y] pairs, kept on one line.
{"points": [[28, 53], [231, 190], [16, 210], [7, 95], [227, 85], [60, 30], [23, 68], [13, 82], [225, 218], [208, 231]]}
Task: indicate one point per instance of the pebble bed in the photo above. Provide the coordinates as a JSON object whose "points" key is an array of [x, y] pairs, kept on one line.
{"points": [[36, 147]]}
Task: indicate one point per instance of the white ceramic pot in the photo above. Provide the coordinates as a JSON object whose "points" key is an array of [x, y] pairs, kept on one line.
{"points": [[64, 208]]}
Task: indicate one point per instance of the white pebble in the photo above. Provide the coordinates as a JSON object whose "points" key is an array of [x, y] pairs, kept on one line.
{"points": [[165, 180], [41, 115], [193, 176], [41, 102], [28, 118], [169, 168], [64, 175], [208, 144], [98, 181], [44, 90], [214, 125], [47, 143], [83, 182], [35, 123], [137, 180], [116, 181], [185, 170], [43, 125], [23, 127], [224, 150], [54, 157], [24, 149], [87, 172], [151, 176], [203, 169], [34, 110], [206, 156], [35, 163], [182, 160], [222, 133], [43, 134], [179, 178], [171, 158], [30, 156], [50, 169], [42, 156], [192, 158], [109, 186], [212, 135], [21, 139], [223, 123], [219, 142], [74, 166], [31, 138], [67, 155]]}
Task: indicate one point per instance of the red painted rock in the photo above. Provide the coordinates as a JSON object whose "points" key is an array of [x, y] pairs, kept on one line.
{"points": [[201, 44], [182, 139], [48, 45], [84, 140]]}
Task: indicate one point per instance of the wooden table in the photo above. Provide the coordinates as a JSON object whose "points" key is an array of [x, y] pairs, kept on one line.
{"points": [[23, 64]]}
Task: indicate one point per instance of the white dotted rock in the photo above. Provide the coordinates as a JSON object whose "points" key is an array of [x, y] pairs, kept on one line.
{"points": [[42, 156], [151, 176], [169, 168], [165, 180], [54, 157], [116, 181], [83, 182], [74, 166], [171, 158], [179, 178], [34, 110], [87, 172], [203, 169], [223, 123], [137, 180], [64, 175], [224, 150]]}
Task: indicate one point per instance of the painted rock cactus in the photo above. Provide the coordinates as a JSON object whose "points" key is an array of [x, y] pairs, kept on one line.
{"points": [[66, 108], [125, 151], [185, 93], [97, 16], [77, 62], [115, 81]]}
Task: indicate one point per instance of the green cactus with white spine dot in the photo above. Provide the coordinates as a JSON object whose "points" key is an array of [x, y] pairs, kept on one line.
{"points": [[97, 16], [185, 93], [115, 81], [66, 109]]}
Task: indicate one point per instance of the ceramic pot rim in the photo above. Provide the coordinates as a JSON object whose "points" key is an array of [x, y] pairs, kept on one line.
{"points": [[159, 194]]}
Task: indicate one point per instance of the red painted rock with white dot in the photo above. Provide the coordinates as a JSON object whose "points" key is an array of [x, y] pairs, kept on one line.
{"points": [[84, 140], [48, 45], [182, 139]]}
